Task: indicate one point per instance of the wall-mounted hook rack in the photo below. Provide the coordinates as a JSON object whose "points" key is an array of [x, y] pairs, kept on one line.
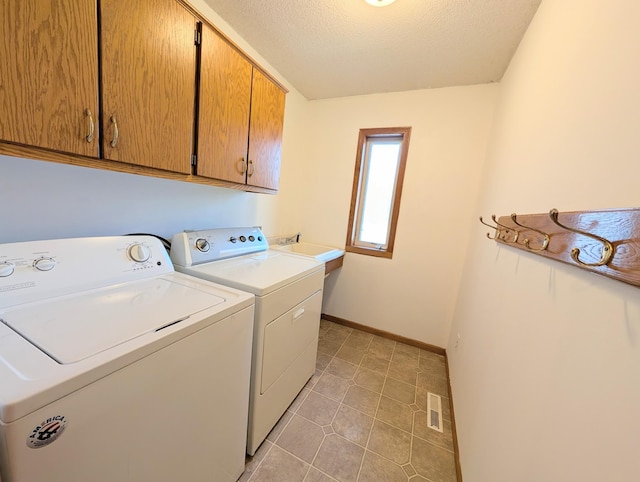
{"points": [[605, 242]]}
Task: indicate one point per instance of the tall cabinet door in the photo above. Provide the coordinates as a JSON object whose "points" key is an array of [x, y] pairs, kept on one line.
{"points": [[225, 96], [148, 83], [49, 74], [265, 132]]}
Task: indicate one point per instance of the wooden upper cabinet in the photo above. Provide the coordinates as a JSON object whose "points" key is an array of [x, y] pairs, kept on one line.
{"points": [[49, 74], [265, 132], [240, 117], [225, 97], [148, 58]]}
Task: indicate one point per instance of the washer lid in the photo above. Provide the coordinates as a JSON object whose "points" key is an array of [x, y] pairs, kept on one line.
{"points": [[72, 328]]}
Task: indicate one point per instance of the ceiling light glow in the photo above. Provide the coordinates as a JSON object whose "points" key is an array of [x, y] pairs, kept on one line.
{"points": [[379, 3]]}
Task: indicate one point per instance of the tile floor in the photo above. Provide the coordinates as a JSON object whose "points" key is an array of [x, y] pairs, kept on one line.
{"points": [[361, 417]]}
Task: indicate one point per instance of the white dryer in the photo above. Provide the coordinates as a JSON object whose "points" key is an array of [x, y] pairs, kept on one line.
{"points": [[288, 290], [113, 367]]}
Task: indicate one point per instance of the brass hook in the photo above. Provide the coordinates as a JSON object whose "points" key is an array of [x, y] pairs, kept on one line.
{"points": [[517, 233], [492, 227], [607, 247], [547, 237]]}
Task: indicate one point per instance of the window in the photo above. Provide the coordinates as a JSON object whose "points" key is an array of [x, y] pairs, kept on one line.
{"points": [[377, 186]]}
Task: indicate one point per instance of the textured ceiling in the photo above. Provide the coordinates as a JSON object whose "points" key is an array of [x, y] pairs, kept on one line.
{"points": [[336, 48]]}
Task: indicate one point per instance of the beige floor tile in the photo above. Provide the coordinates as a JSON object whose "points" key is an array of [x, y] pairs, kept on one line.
{"points": [[381, 347], [352, 355], [315, 475], [332, 386], [339, 458], [358, 339], [369, 379], [342, 368], [390, 442], [408, 349], [342, 328], [314, 379], [400, 391], [279, 466], [362, 399], [404, 373], [446, 409], [323, 360], [318, 408], [295, 405], [327, 347], [376, 364], [395, 413], [433, 463], [433, 364], [409, 359], [433, 384], [336, 336], [301, 438], [422, 430], [279, 427], [378, 469], [352, 425]]}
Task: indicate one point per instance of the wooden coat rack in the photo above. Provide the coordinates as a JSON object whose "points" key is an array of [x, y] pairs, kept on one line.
{"points": [[604, 242]]}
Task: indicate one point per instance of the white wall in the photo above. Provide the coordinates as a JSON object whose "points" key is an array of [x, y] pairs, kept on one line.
{"points": [[546, 377], [42, 200], [412, 294]]}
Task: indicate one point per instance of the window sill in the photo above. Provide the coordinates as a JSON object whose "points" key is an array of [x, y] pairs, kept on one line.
{"points": [[378, 253]]}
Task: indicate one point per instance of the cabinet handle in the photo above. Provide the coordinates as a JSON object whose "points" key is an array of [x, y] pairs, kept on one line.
{"points": [[243, 166], [91, 126], [114, 141], [250, 169]]}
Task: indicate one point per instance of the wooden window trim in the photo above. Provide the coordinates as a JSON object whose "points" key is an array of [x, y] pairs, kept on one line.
{"points": [[365, 134]]}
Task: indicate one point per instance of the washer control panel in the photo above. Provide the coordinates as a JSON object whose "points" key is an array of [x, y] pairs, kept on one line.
{"points": [[35, 270], [196, 247]]}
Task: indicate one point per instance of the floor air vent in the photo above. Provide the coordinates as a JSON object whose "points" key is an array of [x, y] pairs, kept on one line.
{"points": [[434, 411]]}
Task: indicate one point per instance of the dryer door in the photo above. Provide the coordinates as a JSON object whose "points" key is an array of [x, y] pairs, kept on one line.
{"points": [[288, 336]]}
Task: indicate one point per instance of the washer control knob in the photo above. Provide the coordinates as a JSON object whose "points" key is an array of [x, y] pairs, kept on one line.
{"points": [[243, 238], [202, 245], [139, 253], [44, 264], [232, 239], [6, 269], [252, 238]]}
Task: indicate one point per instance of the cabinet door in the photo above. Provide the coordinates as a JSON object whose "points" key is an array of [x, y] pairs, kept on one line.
{"points": [[265, 132], [148, 83], [225, 96], [49, 74]]}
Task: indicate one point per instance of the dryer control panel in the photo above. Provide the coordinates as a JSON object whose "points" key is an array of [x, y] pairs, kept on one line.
{"points": [[37, 270], [195, 247]]}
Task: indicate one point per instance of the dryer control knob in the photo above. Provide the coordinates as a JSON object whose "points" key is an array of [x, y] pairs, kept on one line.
{"points": [[202, 245], [6, 269], [44, 264], [139, 253], [232, 239]]}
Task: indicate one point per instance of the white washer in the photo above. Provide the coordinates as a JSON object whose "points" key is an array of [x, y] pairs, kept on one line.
{"points": [[288, 291], [113, 367]]}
